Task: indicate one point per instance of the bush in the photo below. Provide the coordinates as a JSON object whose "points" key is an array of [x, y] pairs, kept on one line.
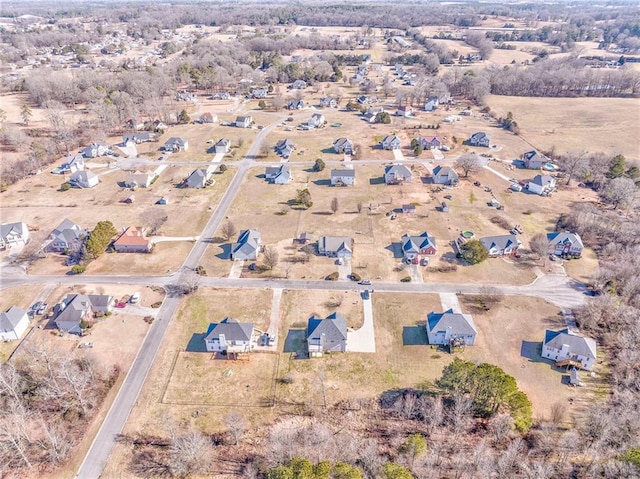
{"points": [[78, 269], [65, 186], [355, 277], [222, 168], [406, 279], [201, 271], [157, 304], [333, 276], [287, 379], [501, 221]]}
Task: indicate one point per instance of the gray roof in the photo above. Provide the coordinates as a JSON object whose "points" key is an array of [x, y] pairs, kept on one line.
{"points": [[100, 300], [390, 138], [82, 175], [67, 231], [398, 171], [76, 306], [335, 243], [499, 242], [542, 180], [274, 171], [333, 328], [479, 136], [343, 172], [565, 237], [458, 322], [444, 171], [231, 329], [179, 142], [17, 228], [10, 318], [533, 155], [243, 119], [223, 142], [199, 177], [580, 345], [247, 244], [282, 144], [341, 142], [416, 243]]}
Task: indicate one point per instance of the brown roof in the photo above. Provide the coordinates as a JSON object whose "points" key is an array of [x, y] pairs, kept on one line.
{"points": [[132, 236]]}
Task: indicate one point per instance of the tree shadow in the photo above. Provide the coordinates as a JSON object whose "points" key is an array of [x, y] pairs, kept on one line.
{"points": [[322, 182], [295, 342], [226, 251], [414, 336], [322, 213], [196, 343], [396, 249], [377, 180]]}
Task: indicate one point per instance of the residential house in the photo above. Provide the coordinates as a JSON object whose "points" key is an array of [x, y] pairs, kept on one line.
{"points": [[73, 164], [397, 175], [391, 142], [101, 303], [414, 247], [432, 103], [248, 245], [295, 105], [343, 177], [445, 175], [208, 117], [343, 145], [285, 147], [404, 111], [299, 85], [139, 137], [13, 323], [243, 122], [303, 239], [363, 100], [326, 335], [328, 102], [229, 336], [84, 179], [174, 144], [335, 246], [259, 93], [542, 185], [200, 178], [409, 209], [68, 236], [76, 309], [133, 240], [565, 243], [317, 120], [139, 180], [95, 150], [279, 175], [502, 245], [445, 328], [479, 139], [160, 126], [533, 160], [370, 116], [567, 348], [221, 96], [429, 142], [366, 58], [13, 234], [222, 146]]}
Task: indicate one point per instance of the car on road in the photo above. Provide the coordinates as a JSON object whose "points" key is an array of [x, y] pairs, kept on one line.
{"points": [[365, 282], [42, 308]]}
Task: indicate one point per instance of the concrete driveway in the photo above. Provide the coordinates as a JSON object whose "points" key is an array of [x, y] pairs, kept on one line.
{"points": [[415, 271], [236, 269], [437, 155], [363, 340], [344, 269], [450, 301], [397, 155]]}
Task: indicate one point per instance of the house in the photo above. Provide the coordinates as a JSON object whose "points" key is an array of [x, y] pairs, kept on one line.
{"points": [[432, 103], [174, 144], [413, 247], [66, 237], [370, 116], [133, 240], [335, 246], [567, 348], [326, 335], [366, 58], [137, 138], [243, 122], [397, 175], [445, 328], [303, 239], [76, 309], [295, 105], [404, 111], [95, 150], [343, 145], [139, 180], [200, 178], [565, 243], [84, 179], [247, 247], [208, 117], [328, 102], [229, 336], [343, 177], [391, 142], [13, 234], [542, 185], [503, 245], [221, 96], [13, 323], [533, 160], [285, 147], [259, 93], [408, 209], [479, 139], [317, 120], [222, 146], [159, 125], [299, 85], [279, 175], [73, 164], [445, 175], [363, 100], [429, 142]]}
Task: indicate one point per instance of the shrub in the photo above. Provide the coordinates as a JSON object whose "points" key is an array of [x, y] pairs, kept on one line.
{"points": [[78, 269], [406, 279], [287, 379], [222, 168], [65, 186], [157, 304], [355, 277], [333, 276], [501, 221], [201, 271]]}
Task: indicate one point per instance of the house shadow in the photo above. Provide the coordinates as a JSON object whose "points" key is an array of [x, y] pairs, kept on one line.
{"points": [[295, 342], [196, 343], [328, 151], [226, 251], [414, 336], [261, 176], [377, 180], [427, 180], [532, 351], [322, 213], [325, 182], [396, 249]]}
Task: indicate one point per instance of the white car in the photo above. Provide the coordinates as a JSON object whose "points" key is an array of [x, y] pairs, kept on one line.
{"points": [[135, 298]]}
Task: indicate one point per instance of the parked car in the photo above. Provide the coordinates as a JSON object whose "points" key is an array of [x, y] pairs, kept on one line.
{"points": [[42, 308], [135, 298], [120, 304], [36, 306], [365, 282], [365, 294]]}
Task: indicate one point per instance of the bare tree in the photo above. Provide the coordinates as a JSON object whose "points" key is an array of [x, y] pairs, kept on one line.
{"points": [[271, 257], [154, 219], [620, 192], [334, 205], [489, 296], [228, 230], [468, 163], [236, 424], [359, 207], [573, 163], [190, 454], [539, 244]]}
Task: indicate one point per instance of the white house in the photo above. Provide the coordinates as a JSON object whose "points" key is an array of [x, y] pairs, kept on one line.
{"points": [[176, 144], [73, 164], [391, 142], [317, 120], [139, 180], [343, 177], [397, 175], [335, 246], [429, 142], [404, 111], [565, 243], [95, 150], [229, 336], [432, 103], [445, 175], [247, 247], [243, 121], [84, 179], [13, 323], [278, 175], [326, 335], [67, 236], [222, 146], [479, 139], [13, 234], [567, 348], [442, 328], [542, 185], [533, 160], [502, 245], [343, 145]]}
